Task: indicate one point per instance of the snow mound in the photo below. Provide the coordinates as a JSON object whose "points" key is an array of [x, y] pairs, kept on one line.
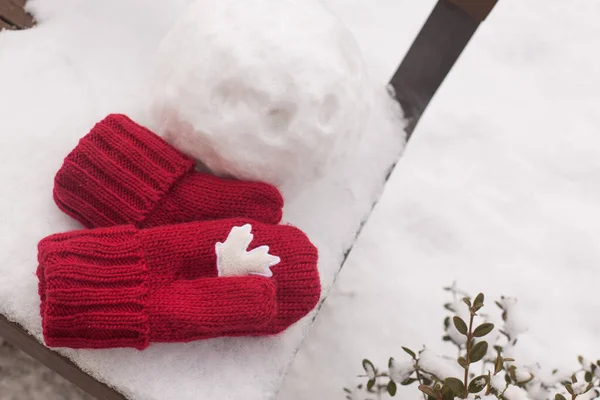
{"points": [[270, 90]]}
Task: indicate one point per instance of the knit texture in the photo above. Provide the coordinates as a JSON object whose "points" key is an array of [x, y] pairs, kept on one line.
{"points": [[296, 277], [121, 173], [120, 287]]}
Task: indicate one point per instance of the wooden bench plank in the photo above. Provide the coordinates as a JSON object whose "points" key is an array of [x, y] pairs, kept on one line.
{"points": [[4, 25], [20, 3], [15, 14], [432, 55], [477, 9], [19, 338]]}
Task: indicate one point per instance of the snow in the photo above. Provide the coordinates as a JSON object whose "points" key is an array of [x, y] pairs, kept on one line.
{"points": [[515, 393], [400, 370], [461, 310], [87, 59], [271, 90], [439, 366], [522, 373], [579, 387], [515, 323], [498, 190], [498, 382]]}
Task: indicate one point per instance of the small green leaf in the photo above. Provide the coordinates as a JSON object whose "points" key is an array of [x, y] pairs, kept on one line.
{"points": [[460, 325], [448, 306], [499, 364], [508, 359], [477, 384], [574, 378], [366, 364], [408, 381], [588, 376], [467, 301], [370, 384], [512, 371], [559, 397], [478, 302], [580, 359], [409, 352], [427, 390], [456, 385], [499, 305], [347, 390], [462, 362], [483, 329], [478, 351], [446, 338], [391, 388], [569, 388], [447, 393]]}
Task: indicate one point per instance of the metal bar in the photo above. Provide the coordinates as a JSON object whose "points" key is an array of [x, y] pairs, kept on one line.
{"points": [[432, 55], [477, 9]]}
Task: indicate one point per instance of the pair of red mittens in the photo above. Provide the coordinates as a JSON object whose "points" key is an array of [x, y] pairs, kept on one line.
{"points": [[180, 255]]}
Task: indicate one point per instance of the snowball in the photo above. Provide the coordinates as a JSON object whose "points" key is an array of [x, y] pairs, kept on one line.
{"points": [[270, 90]]}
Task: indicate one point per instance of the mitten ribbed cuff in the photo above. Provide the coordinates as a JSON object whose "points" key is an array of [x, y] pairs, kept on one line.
{"points": [[124, 287], [117, 174], [90, 301]]}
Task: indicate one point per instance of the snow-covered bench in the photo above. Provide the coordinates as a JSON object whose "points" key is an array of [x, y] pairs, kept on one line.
{"points": [[31, 152]]}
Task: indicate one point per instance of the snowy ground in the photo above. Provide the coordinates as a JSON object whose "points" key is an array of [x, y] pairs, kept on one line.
{"points": [[499, 189]]}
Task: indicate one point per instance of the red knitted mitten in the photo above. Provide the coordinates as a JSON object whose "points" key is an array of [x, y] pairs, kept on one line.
{"points": [[121, 173], [124, 287], [109, 287]]}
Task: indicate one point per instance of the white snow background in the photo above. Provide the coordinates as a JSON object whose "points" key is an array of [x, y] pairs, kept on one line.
{"points": [[499, 189], [87, 59]]}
